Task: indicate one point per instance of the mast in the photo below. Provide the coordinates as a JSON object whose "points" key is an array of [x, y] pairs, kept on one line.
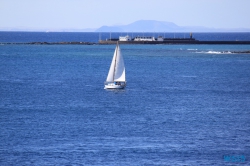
{"points": [[115, 60]]}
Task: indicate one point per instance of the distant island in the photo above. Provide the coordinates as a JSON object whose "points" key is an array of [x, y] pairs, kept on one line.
{"points": [[162, 26], [137, 26]]}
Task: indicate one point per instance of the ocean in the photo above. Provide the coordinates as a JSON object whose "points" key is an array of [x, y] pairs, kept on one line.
{"points": [[183, 104], [20, 37]]}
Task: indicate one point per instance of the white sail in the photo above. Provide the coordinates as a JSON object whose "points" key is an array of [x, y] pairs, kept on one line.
{"points": [[110, 77], [117, 68]]}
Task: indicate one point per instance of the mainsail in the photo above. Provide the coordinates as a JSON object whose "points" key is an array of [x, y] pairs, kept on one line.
{"points": [[117, 68]]}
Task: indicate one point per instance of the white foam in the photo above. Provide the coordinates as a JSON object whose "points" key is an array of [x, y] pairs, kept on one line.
{"points": [[214, 52]]}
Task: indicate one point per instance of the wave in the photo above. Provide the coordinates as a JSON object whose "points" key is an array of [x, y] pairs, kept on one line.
{"points": [[214, 52], [191, 49]]}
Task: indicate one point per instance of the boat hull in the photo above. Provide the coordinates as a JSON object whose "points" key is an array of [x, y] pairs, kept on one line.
{"points": [[115, 86]]}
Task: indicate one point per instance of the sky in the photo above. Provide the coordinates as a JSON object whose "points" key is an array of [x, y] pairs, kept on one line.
{"points": [[81, 14]]}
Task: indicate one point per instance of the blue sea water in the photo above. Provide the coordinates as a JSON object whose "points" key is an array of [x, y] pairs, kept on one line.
{"points": [[95, 37], [183, 105]]}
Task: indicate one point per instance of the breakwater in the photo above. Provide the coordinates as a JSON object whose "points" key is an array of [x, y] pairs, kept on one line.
{"points": [[50, 43], [174, 42], [128, 42]]}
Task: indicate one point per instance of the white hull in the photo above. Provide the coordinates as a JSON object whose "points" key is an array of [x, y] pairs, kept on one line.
{"points": [[113, 86]]}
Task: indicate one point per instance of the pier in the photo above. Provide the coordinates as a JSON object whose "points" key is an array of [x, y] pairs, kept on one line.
{"points": [[173, 41], [103, 42]]}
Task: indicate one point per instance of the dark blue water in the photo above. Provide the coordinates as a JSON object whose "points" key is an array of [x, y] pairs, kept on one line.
{"points": [[95, 37], [183, 105]]}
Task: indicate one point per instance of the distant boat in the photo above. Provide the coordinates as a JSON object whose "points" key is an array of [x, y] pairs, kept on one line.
{"points": [[116, 76]]}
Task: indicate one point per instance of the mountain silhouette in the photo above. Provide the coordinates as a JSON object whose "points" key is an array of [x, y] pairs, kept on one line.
{"points": [[162, 26]]}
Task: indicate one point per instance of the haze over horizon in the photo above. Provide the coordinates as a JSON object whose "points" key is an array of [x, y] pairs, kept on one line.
{"points": [[90, 15]]}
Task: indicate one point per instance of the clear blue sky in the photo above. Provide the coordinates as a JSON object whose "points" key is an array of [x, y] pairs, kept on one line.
{"points": [[82, 14]]}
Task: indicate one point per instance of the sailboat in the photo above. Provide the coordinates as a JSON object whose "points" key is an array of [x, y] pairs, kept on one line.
{"points": [[116, 76]]}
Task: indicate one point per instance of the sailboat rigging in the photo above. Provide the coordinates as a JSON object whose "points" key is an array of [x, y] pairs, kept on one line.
{"points": [[116, 77]]}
